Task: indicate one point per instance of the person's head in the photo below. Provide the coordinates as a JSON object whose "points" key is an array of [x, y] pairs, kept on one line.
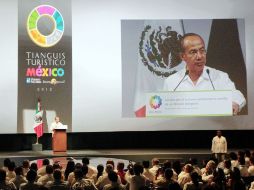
{"points": [[138, 169], [11, 166], [193, 52], [146, 164], [109, 168], [100, 168], [31, 175], [57, 175], [111, 162], [233, 156], [247, 153], [168, 173], [78, 174], [49, 169], [34, 167], [219, 133], [155, 161], [167, 164], [19, 170], [2, 175], [6, 162], [57, 119], [57, 165], [227, 164], [194, 177], [252, 160], [26, 164], [241, 161], [85, 161], [45, 162], [78, 166], [188, 168], [112, 176], [120, 166]]}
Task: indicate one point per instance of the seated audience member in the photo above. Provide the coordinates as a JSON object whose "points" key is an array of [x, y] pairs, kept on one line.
{"points": [[137, 181], [31, 184], [195, 183], [110, 161], [196, 168], [70, 167], [167, 164], [227, 168], [251, 167], [208, 172], [100, 170], [113, 185], [81, 183], [42, 170], [25, 166], [34, 167], [129, 173], [104, 180], [19, 179], [219, 179], [7, 161], [58, 183], [10, 174], [121, 172], [184, 176], [91, 169], [4, 184], [166, 180], [234, 159], [147, 173], [155, 166], [235, 181], [71, 177], [57, 166], [48, 176], [247, 157], [176, 166], [243, 168]]}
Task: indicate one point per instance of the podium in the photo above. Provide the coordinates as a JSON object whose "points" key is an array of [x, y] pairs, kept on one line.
{"points": [[59, 139]]}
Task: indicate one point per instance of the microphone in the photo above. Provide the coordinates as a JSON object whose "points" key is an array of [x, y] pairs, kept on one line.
{"points": [[186, 73], [208, 72]]}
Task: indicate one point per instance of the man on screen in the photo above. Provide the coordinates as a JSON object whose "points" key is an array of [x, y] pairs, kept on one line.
{"points": [[197, 76]]}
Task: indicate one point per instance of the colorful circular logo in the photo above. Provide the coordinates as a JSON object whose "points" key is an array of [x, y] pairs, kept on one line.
{"points": [[155, 102], [35, 34]]}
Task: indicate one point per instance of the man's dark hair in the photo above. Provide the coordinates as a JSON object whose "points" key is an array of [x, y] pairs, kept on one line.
{"points": [[85, 161], [138, 169], [168, 173], [25, 163], [112, 176], [11, 166], [7, 162], [78, 174], [19, 170], [57, 175], [31, 175], [49, 169], [146, 163], [45, 162], [120, 165], [34, 167]]}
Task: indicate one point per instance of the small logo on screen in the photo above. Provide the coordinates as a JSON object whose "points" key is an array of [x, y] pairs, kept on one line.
{"points": [[45, 26], [155, 102]]}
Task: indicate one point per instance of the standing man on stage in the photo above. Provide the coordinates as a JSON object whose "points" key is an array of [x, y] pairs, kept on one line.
{"points": [[219, 146], [55, 125]]}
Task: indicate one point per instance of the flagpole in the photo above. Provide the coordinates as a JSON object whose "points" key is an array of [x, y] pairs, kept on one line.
{"points": [[37, 142]]}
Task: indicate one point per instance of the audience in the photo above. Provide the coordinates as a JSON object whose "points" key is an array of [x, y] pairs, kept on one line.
{"points": [[232, 174]]}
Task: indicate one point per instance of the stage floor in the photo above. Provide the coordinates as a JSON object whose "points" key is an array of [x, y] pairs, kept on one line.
{"points": [[135, 155]]}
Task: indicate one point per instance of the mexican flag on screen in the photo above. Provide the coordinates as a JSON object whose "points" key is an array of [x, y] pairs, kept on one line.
{"points": [[158, 58], [38, 124]]}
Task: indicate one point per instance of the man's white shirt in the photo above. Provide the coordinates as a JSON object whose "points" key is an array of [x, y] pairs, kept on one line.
{"points": [[220, 80], [55, 125], [219, 145]]}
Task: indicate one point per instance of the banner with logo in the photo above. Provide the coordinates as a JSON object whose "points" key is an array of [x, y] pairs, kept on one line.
{"points": [[44, 62]]}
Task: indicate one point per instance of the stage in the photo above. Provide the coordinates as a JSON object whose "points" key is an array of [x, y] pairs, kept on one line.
{"points": [[136, 155]]}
